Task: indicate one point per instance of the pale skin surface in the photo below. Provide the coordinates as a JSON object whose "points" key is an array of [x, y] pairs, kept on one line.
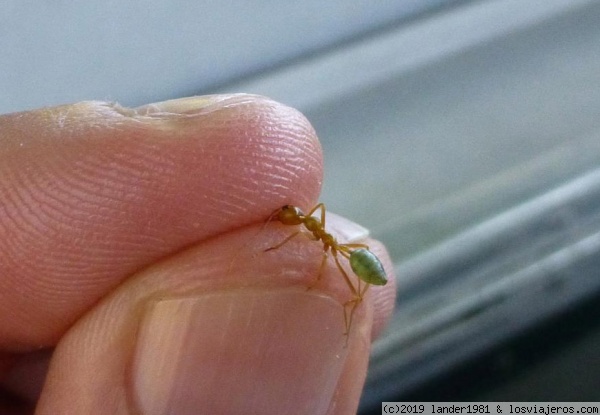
{"points": [[106, 212]]}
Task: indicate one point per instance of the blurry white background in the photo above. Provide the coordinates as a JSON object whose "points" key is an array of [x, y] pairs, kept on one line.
{"points": [[138, 52]]}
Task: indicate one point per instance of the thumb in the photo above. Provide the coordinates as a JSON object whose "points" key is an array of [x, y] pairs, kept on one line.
{"points": [[221, 328]]}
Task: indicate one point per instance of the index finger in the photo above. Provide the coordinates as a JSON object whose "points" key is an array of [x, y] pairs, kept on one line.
{"points": [[90, 193]]}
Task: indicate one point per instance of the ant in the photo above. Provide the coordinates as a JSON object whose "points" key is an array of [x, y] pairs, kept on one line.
{"points": [[364, 263]]}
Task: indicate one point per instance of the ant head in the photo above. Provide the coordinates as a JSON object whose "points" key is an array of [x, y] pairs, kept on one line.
{"points": [[290, 215]]}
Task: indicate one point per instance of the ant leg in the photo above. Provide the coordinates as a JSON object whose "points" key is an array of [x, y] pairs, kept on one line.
{"points": [[317, 207], [364, 291], [354, 302], [286, 240], [344, 273], [348, 251], [313, 210], [346, 254], [320, 273], [349, 315]]}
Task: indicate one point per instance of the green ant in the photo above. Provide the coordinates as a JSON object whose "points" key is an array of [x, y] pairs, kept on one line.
{"points": [[364, 263]]}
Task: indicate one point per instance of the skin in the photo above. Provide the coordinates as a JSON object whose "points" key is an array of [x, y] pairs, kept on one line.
{"points": [[105, 210]]}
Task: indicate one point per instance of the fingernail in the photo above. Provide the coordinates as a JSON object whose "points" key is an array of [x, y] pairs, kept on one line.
{"points": [[239, 352], [346, 230], [193, 105]]}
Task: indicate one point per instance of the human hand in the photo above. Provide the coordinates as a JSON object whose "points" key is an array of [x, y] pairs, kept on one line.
{"points": [[132, 273]]}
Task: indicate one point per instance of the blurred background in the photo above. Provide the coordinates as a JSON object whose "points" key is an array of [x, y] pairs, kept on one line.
{"points": [[464, 134]]}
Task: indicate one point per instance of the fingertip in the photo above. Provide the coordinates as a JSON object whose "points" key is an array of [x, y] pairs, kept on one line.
{"points": [[108, 190]]}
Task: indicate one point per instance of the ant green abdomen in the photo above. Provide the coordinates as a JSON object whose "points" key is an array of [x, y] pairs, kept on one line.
{"points": [[367, 267]]}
